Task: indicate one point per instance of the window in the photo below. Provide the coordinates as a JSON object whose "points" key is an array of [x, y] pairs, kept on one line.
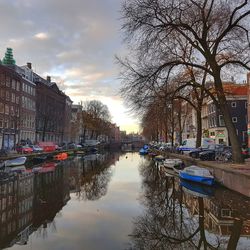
{"points": [[6, 123], [233, 104], [221, 120], [1, 122], [7, 109], [2, 94], [13, 83], [13, 98], [1, 108], [7, 81], [2, 79], [17, 99], [17, 86], [7, 95], [234, 119], [12, 110]]}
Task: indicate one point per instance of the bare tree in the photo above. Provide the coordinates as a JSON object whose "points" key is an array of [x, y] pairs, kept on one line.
{"points": [[217, 32], [97, 114]]}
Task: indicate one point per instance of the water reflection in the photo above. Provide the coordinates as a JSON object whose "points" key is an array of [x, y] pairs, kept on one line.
{"points": [[29, 202], [189, 217]]}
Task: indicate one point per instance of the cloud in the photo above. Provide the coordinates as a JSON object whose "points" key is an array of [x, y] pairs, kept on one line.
{"points": [[73, 43], [41, 36]]}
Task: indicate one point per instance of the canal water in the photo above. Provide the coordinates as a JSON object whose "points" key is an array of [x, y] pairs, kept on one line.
{"points": [[117, 201]]}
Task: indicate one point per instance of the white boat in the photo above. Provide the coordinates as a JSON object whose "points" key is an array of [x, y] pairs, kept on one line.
{"points": [[197, 174], [159, 158], [16, 169], [171, 163], [15, 162]]}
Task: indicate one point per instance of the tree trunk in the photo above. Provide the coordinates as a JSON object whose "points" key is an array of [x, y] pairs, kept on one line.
{"points": [[236, 147], [235, 235], [199, 128]]}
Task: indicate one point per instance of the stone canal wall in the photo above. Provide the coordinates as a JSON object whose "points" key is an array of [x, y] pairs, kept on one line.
{"points": [[233, 176]]}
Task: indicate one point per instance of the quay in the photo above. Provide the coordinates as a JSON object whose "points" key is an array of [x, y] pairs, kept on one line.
{"points": [[233, 176]]}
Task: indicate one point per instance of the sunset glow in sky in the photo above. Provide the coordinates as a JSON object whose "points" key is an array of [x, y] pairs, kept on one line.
{"points": [[72, 41]]}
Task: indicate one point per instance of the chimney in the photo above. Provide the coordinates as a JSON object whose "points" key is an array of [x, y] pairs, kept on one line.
{"points": [[48, 79], [29, 65]]}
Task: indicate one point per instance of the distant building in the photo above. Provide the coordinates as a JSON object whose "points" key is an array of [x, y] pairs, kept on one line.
{"points": [[76, 123]]}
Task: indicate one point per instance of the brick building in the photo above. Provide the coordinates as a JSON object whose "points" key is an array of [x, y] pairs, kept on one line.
{"points": [[10, 99], [50, 108]]}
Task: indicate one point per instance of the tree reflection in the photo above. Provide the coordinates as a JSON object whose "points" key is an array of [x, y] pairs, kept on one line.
{"points": [[167, 222], [94, 176]]}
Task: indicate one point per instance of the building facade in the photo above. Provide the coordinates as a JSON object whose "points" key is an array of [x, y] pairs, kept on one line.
{"points": [[248, 111], [236, 95], [28, 104], [10, 100]]}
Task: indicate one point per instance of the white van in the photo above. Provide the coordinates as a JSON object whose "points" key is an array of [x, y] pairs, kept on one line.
{"points": [[190, 144]]}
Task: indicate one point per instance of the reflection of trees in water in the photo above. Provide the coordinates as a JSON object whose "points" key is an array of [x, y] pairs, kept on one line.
{"points": [[95, 176], [167, 223]]}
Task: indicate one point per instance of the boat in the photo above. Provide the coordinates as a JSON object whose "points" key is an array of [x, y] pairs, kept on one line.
{"points": [[171, 163], [16, 169], [197, 174], [152, 154], [196, 189], [39, 159], [143, 151], [79, 152], [61, 156], [159, 158], [15, 162], [179, 167]]}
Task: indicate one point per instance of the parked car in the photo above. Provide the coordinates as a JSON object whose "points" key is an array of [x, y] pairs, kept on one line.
{"points": [[195, 152], [190, 144], [24, 149], [36, 148], [212, 154]]}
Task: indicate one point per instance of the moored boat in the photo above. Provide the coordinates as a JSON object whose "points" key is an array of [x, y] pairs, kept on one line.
{"points": [[15, 169], [143, 151], [171, 163], [196, 189], [15, 162], [159, 158], [61, 156], [197, 174], [39, 159]]}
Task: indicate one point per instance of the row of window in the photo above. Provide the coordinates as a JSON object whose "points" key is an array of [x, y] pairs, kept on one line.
{"points": [[7, 109], [9, 96], [5, 80], [28, 121], [212, 107], [28, 103], [28, 89], [212, 121], [5, 123]]}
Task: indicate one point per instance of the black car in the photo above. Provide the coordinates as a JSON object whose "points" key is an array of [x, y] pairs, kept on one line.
{"points": [[196, 152], [213, 154]]}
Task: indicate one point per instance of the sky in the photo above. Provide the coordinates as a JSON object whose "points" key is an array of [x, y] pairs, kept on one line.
{"points": [[74, 42]]}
